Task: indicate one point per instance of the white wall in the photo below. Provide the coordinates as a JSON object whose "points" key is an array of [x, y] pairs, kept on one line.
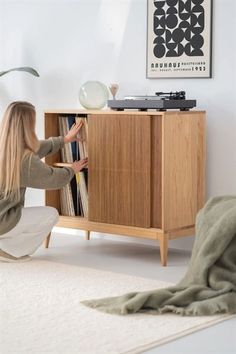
{"points": [[70, 42]]}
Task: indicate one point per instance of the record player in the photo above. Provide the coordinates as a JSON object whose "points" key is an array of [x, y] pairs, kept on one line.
{"points": [[161, 101]]}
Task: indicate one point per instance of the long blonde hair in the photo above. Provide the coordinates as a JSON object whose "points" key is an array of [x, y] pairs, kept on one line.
{"points": [[17, 138]]}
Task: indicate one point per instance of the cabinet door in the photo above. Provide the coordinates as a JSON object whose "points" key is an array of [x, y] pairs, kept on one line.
{"points": [[183, 168], [119, 169]]}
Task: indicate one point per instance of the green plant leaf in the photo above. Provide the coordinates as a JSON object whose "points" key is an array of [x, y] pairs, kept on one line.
{"points": [[26, 69]]}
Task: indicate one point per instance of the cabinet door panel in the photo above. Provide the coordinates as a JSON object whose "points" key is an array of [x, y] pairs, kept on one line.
{"points": [[119, 169], [180, 169]]}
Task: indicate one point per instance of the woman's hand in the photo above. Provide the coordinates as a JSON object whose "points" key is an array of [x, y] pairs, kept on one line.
{"points": [[73, 132], [79, 165]]}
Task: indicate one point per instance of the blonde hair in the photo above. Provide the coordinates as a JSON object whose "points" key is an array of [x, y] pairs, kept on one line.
{"points": [[17, 139]]}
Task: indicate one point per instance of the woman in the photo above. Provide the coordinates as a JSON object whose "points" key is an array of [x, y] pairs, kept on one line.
{"points": [[22, 230]]}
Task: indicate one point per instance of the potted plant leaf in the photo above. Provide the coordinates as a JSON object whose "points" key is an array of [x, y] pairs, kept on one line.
{"points": [[25, 68]]}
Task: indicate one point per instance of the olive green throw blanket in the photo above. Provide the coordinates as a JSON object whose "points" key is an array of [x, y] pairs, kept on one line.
{"points": [[209, 285]]}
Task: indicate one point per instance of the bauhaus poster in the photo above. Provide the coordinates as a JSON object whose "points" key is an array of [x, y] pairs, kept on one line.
{"points": [[179, 38]]}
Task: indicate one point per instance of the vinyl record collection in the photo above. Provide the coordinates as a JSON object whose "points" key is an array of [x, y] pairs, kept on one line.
{"points": [[74, 196]]}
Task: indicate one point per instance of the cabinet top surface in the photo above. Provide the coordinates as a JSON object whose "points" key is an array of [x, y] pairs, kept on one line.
{"points": [[111, 111]]}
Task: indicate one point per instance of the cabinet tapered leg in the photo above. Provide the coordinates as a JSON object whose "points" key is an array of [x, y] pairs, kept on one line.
{"points": [[47, 240], [163, 239], [87, 235]]}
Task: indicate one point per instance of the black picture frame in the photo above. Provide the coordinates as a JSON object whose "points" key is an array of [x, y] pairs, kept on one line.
{"points": [[179, 39]]}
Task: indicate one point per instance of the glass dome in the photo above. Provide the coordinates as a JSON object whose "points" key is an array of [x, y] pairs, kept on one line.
{"points": [[93, 95]]}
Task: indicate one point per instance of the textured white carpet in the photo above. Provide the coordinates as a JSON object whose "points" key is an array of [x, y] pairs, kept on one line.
{"points": [[40, 312]]}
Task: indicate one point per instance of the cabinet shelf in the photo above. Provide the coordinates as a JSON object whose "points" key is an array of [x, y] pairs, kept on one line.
{"points": [[61, 164]]}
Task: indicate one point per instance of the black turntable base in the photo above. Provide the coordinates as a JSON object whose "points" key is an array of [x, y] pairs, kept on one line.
{"points": [[161, 102]]}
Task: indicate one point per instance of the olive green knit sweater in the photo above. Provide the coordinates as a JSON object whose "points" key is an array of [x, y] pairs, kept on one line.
{"points": [[35, 174]]}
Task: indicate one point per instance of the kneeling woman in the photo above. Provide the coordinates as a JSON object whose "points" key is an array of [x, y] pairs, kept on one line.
{"points": [[23, 230]]}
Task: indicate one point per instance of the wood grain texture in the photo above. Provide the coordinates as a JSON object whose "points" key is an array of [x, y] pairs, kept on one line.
{"points": [[78, 222], [81, 223], [52, 197], [119, 169], [156, 171], [179, 170], [111, 111], [201, 160], [163, 239]]}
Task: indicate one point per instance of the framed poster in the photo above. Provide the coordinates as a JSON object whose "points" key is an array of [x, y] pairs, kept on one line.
{"points": [[179, 38]]}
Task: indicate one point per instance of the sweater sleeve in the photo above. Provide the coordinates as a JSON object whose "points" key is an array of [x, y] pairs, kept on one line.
{"points": [[50, 146], [37, 174]]}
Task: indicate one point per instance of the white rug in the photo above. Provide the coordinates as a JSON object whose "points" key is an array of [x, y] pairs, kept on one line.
{"points": [[40, 312]]}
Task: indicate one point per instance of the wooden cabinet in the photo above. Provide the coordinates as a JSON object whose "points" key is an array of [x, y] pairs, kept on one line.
{"points": [[146, 173]]}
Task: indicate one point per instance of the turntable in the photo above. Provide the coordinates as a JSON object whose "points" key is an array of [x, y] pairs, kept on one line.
{"points": [[161, 101]]}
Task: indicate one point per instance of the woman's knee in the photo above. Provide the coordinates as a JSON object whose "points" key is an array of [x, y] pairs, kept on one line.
{"points": [[52, 215], [35, 217]]}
